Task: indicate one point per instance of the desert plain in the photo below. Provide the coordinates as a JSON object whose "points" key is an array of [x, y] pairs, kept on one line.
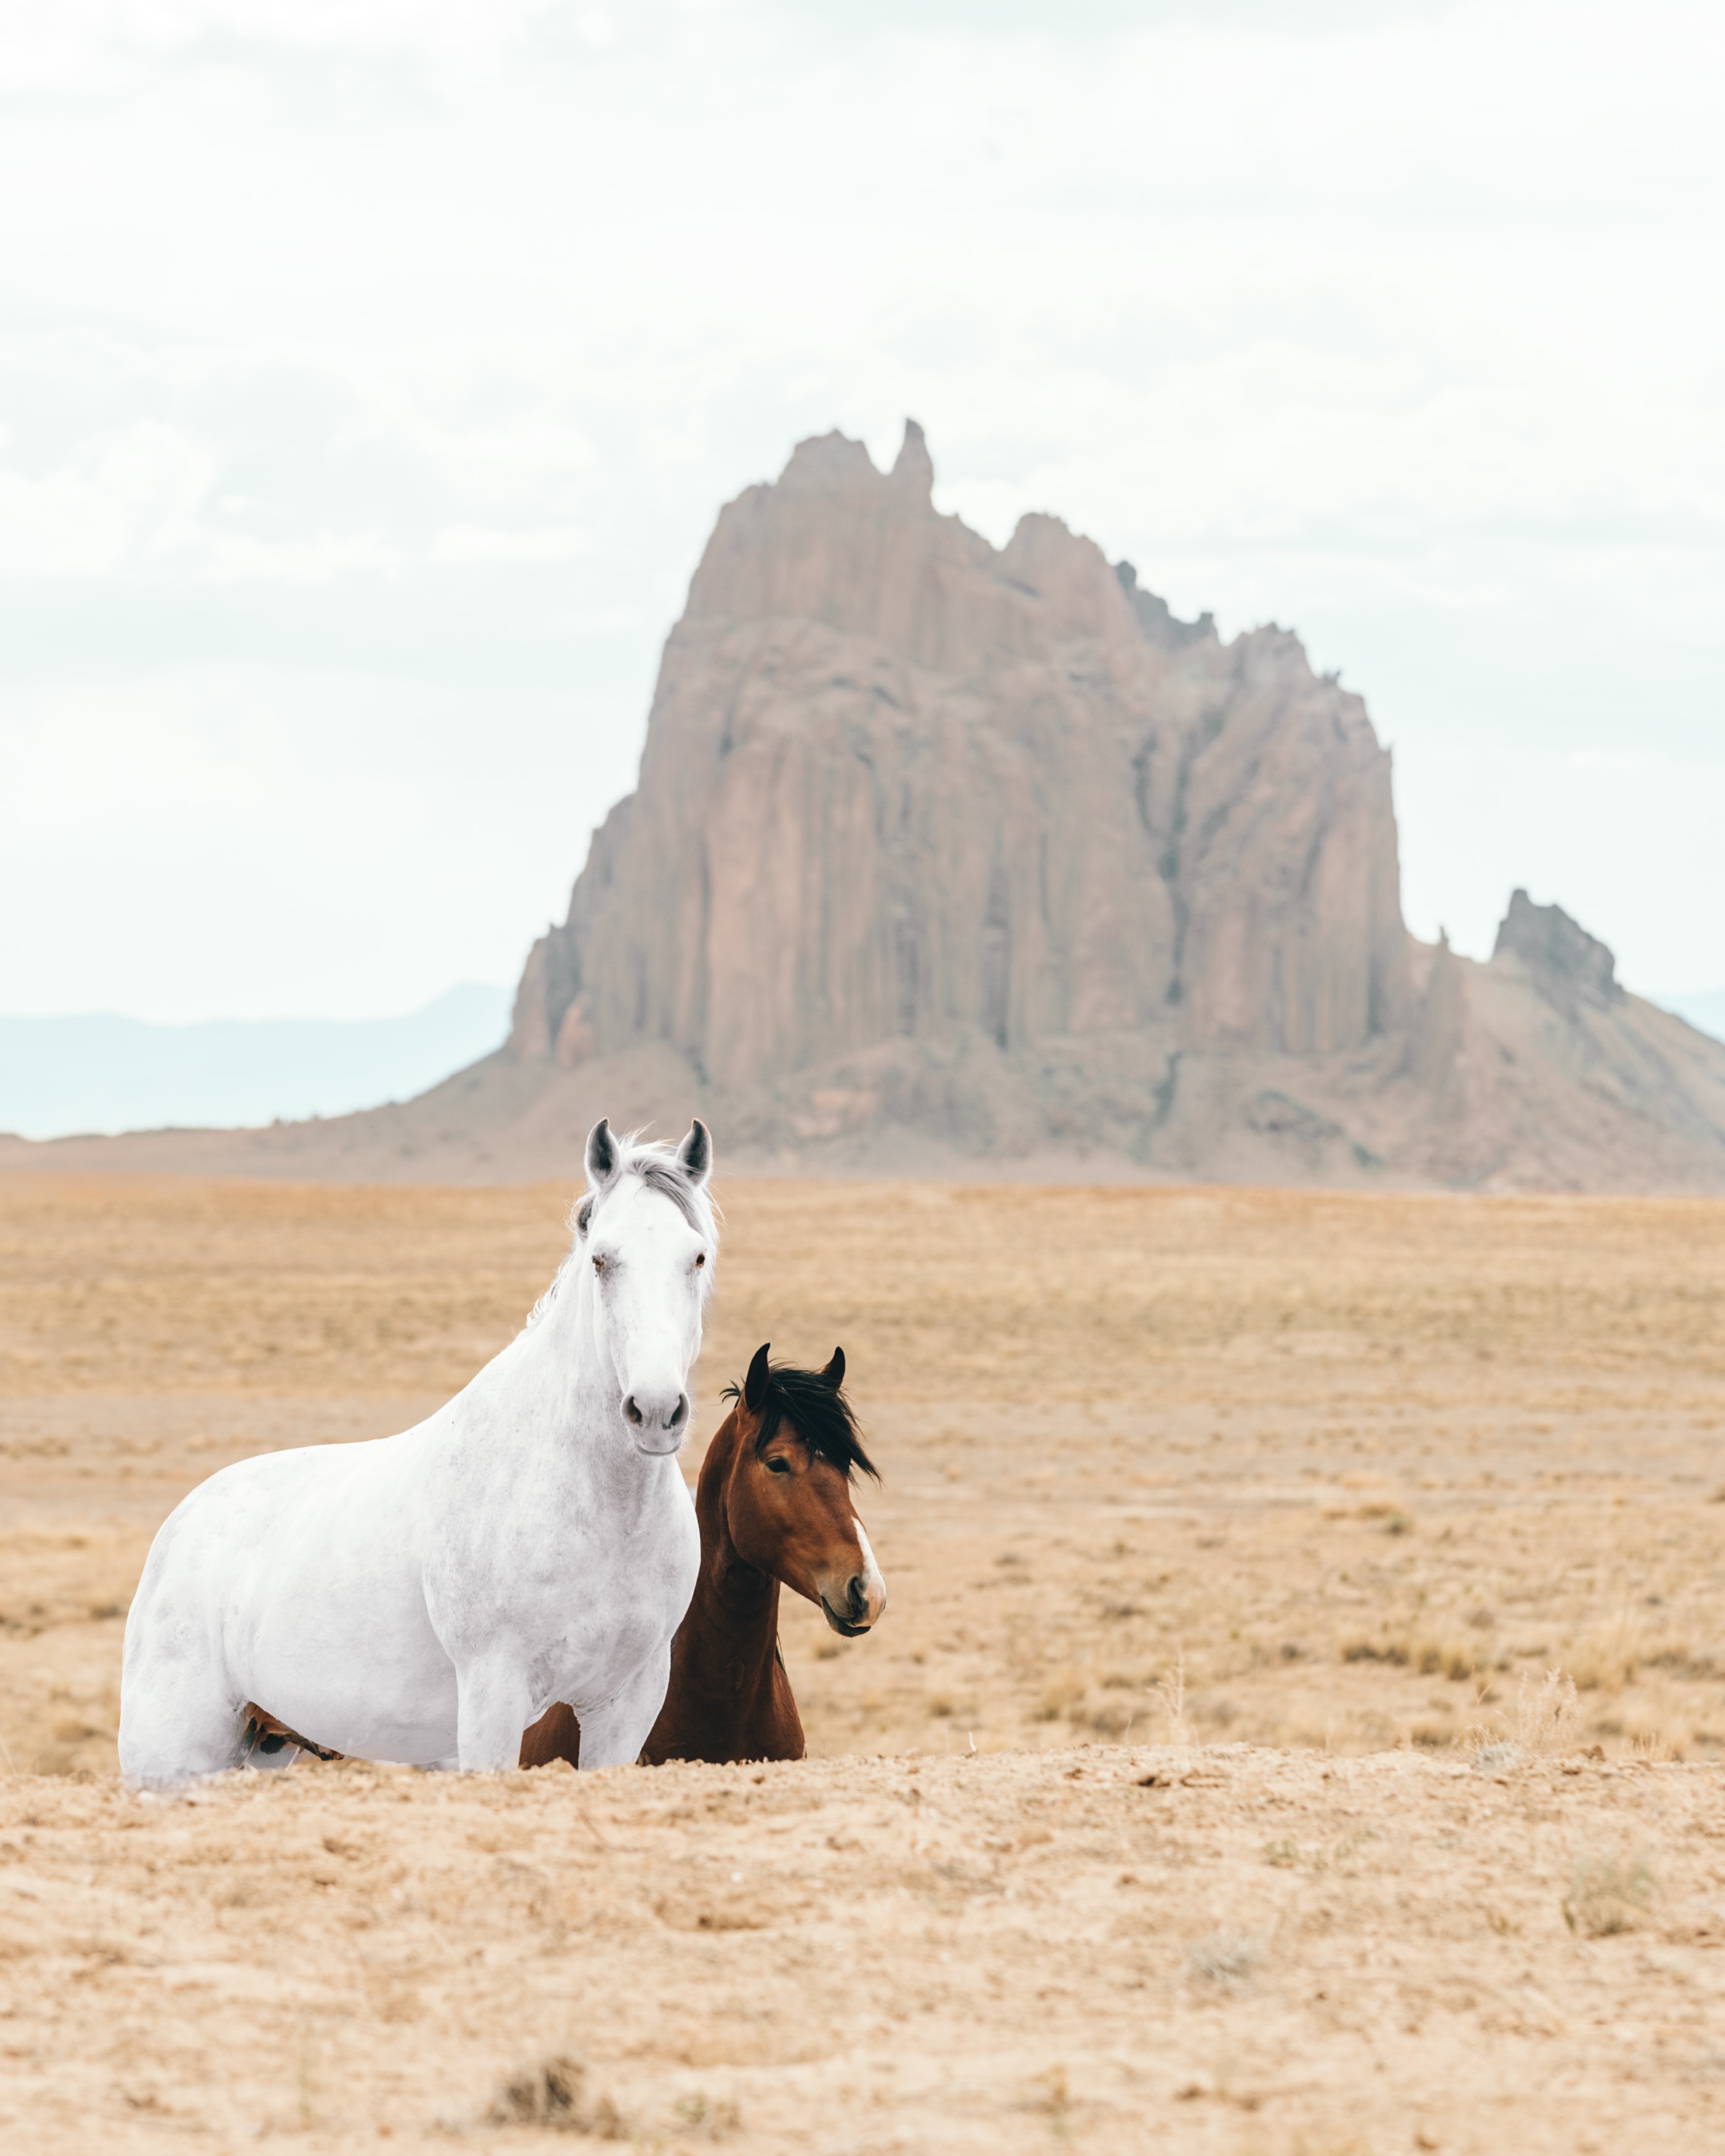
{"points": [[1210, 1783]]}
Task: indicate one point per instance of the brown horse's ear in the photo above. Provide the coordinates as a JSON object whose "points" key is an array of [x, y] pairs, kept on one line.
{"points": [[754, 1386], [834, 1372]]}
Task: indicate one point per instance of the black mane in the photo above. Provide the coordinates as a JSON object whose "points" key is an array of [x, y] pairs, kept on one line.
{"points": [[819, 1413]]}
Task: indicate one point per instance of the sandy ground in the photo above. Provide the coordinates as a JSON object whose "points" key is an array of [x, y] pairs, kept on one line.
{"points": [[1106, 1949], [1361, 1469]]}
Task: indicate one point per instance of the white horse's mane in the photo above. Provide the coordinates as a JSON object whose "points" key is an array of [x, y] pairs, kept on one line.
{"points": [[656, 1162]]}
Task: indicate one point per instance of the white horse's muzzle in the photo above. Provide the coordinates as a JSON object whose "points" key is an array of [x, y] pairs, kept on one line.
{"points": [[658, 1421]]}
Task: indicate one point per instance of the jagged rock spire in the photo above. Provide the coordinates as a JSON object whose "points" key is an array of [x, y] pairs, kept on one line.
{"points": [[914, 469], [1569, 967]]}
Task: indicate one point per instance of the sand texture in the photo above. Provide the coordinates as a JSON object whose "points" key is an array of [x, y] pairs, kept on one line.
{"points": [[1290, 1501], [1101, 1949]]}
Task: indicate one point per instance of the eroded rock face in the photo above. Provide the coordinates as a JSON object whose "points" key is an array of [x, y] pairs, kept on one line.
{"points": [[1569, 967], [900, 787]]}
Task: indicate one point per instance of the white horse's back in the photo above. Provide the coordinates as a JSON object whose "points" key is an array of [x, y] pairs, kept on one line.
{"points": [[422, 1598], [293, 1570]]}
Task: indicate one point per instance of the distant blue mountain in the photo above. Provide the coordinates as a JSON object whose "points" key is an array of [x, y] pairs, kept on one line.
{"points": [[1706, 1010], [62, 1075]]}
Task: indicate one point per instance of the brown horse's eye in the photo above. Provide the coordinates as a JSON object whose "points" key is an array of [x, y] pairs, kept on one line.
{"points": [[778, 1464]]}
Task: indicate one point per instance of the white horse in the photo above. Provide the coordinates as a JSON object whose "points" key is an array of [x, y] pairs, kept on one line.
{"points": [[423, 1599]]}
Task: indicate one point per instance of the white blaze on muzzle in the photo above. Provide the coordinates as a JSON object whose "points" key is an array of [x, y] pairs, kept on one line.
{"points": [[854, 1601]]}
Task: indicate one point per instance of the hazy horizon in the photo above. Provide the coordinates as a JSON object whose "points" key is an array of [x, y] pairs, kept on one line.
{"points": [[370, 379], [101, 1072]]}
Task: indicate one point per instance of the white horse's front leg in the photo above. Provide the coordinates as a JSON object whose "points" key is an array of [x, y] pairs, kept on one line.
{"points": [[493, 1706], [612, 1735]]}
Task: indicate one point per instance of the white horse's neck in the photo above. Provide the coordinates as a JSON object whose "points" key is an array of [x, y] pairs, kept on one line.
{"points": [[549, 1385]]}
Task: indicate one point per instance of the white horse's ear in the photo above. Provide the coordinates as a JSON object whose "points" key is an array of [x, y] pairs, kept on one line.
{"points": [[694, 1156], [584, 1215], [754, 1385], [601, 1155]]}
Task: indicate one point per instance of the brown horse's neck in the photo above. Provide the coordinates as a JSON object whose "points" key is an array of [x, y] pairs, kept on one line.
{"points": [[729, 1697], [738, 1605]]}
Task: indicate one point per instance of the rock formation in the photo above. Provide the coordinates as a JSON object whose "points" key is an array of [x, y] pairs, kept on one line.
{"points": [[987, 849], [900, 787], [951, 859]]}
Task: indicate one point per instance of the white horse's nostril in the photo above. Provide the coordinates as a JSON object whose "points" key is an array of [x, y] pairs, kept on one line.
{"points": [[631, 1412], [679, 1413]]}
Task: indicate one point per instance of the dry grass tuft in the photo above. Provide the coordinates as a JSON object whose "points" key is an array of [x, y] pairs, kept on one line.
{"points": [[1548, 1718], [1607, 1659], [699, 2116], [1171, 1690], [1545, 1725], [1457, 1660], [1063, 1695], [1228, 1957], [554, 2094], [1393, 1651], [1608, 1895]]}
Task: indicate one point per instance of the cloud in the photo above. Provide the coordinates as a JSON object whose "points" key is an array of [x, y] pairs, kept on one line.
{"points": [[470, 542], [417, 341], [126, 498]]}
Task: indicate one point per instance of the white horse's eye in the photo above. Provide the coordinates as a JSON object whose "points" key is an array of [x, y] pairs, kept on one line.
{"points": [[700, 1259], [599, 1265]]}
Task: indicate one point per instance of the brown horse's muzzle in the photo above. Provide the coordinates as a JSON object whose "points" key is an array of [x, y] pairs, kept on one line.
{"points": [[854, 1603]]}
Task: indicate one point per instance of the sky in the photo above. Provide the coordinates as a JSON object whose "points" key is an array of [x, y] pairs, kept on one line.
{"points": [[371, 373]]}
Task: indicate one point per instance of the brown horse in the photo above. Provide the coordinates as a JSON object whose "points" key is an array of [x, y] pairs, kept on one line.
{"points": [[773, 1501]]}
